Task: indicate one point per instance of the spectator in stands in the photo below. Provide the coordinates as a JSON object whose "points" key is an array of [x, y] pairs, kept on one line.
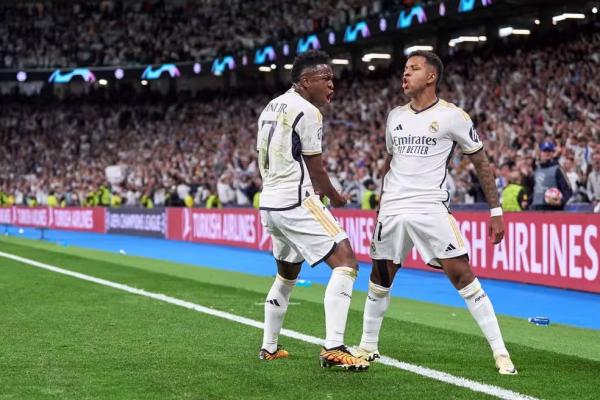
{"points": [[370, 198], [225, 190], [549, 177], [593, 181], [514, 196]]}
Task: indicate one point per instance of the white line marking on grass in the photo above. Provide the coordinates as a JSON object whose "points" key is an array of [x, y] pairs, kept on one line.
{"points": [[423, 371]]}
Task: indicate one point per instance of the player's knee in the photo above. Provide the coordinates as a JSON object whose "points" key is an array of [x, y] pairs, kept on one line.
{"points": [[383, 272], [344, 256], [288, 270], [463, 279]]}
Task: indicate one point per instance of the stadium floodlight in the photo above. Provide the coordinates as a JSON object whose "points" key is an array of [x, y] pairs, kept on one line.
{"points": [[264, 69], [340, 61], [21, 76], [197, 68], [273, 66], [509, 30], [144, 82], [103, 82], [410, 49], [537, 21], [376, 56], [371, 68], [462, 39], [562, 17], [595, 10], [119, 73], [287, 66]]}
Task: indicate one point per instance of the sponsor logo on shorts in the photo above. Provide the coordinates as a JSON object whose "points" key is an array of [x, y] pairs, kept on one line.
{"points": [[450, 247]]}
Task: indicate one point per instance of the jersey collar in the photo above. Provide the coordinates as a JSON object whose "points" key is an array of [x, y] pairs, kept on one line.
{"points": [[437, 100]]}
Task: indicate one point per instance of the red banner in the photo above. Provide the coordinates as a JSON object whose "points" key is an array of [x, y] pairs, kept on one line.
{"points": [[79, 219], [233, 227], [553, 249]]}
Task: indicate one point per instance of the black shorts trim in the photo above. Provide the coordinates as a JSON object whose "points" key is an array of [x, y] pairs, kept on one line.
{"points": [[449, 258], [330, 252], [435, 267], [287, 262], [280, 209]]}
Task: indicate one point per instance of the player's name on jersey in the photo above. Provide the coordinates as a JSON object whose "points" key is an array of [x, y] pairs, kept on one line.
{"points": [[413, 144], [276, 107]]}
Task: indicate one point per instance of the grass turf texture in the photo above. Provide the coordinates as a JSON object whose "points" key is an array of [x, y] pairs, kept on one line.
{"points": [[66, 338]]}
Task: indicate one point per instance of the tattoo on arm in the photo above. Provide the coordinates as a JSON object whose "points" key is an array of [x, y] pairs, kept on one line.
{"points": [[486, 177]]}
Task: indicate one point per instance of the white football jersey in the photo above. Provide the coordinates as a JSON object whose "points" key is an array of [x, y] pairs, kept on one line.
{"points": [[288, 127], [421, 144]]}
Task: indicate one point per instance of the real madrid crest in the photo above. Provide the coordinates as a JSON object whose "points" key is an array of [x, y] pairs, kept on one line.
{"points": [[434, 127]]}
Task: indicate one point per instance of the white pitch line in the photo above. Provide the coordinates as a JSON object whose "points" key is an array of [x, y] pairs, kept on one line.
{"points": [[423, 371]]}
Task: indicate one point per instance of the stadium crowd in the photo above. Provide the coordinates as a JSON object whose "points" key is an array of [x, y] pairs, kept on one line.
{"points": [[121, 32], [201, 153]]}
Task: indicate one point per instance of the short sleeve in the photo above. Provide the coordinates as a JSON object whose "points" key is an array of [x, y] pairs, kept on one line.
{"points": [[309, 127], [388, 135], [463, 132]]}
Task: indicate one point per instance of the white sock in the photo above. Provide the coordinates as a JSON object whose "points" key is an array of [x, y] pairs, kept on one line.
{"points": [[482, 311], [377, 303], [275, 308], [337, 303]]}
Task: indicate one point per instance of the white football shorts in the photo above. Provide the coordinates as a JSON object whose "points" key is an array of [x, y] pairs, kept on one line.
{"points": [[436, 236], [308, 232]]}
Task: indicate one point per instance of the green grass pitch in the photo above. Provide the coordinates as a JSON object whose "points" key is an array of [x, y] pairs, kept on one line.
{"points": [[65, 338]]}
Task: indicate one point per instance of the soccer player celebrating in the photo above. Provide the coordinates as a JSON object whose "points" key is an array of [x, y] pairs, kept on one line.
{"points": [[290, 130], [420, 140]]}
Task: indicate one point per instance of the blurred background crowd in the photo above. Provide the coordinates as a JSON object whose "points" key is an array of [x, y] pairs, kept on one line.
{"points": [[536, 106], [112, 32]]}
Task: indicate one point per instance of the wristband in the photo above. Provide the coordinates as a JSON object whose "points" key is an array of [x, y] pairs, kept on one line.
{"points": [[496, 212]]}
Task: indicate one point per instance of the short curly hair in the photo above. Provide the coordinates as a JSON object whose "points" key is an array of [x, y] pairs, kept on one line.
{"points": [[308, 59]]}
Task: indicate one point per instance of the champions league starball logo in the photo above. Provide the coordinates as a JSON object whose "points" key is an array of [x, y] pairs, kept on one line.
{"points": [[473, 135]]}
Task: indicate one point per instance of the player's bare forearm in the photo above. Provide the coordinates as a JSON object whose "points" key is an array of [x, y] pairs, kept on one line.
{"points": [[486, 177], [320, 179]]}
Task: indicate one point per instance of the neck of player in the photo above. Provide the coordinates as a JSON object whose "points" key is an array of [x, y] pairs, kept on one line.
{"points": [[302, 92], [423, 99]]}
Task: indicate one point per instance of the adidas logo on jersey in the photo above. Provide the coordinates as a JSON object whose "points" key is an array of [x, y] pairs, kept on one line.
{"points": [[450, 247], [398, 128], [273, 302]]}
